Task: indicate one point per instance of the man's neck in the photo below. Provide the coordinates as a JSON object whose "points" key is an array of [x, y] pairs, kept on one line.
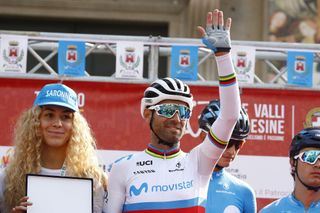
{"points": [[305, 196], [155, 144]]}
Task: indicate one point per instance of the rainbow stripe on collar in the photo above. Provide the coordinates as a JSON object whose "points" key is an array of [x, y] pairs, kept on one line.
{"points": [[164, 154]]}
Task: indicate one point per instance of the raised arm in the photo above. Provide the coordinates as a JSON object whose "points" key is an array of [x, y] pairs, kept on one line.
{"points": [[216, 37]]}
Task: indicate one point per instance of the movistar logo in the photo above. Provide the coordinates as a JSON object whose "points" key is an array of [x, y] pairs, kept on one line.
{"points": [[184, 185], [172, 187], [136, 192]]}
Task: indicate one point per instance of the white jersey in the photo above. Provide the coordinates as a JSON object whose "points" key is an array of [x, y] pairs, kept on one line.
{"points": [[172, 181], [166, 180]]}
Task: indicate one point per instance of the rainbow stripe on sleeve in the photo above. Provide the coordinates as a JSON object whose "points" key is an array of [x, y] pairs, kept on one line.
{"points": [[227, 80], [216, 141]]}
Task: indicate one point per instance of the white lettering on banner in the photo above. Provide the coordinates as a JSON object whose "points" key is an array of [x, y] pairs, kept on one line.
{"points": [[255, 137], [268, 122], [267, 126], [81, 99], [275, 138], [245, 106], [268, 111]]}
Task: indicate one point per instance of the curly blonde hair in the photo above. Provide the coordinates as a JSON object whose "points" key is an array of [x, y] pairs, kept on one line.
{"points": [[81, 159]]}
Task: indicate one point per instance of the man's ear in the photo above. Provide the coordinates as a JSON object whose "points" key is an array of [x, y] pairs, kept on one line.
{"points": [[147, 115], [293, 164]]}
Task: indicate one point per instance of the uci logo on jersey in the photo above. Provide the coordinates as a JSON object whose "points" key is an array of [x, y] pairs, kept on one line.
{"points": [[134, 191], [144, 163]]}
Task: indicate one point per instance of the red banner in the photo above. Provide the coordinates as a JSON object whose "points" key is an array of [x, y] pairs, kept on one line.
{"points": [[113, 110]]}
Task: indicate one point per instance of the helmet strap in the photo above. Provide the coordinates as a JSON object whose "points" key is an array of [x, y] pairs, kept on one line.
{"points": [[314, 188], [160, 140]]}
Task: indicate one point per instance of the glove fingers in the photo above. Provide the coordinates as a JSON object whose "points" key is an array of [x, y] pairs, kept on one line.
{"points": [[220, 19], [209, 20], [215, 18], [216, 36]]}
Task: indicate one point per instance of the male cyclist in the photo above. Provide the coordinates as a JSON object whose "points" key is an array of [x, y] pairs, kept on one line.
{"points": [[305, 169], [162, 178], [227, 193]]}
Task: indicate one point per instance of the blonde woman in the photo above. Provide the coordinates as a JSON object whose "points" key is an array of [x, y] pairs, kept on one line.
{"points": [[51, 138]]}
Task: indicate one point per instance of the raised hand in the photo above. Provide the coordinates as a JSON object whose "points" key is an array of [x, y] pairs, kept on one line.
{"points": [[217, 34]]}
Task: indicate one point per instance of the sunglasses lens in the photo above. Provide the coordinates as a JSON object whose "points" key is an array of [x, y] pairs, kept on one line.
{"points": [[311, 156], [168, 111], [184, 112]]}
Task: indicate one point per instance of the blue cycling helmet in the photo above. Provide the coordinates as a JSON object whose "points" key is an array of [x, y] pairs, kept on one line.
{"points": [[308, 137]]}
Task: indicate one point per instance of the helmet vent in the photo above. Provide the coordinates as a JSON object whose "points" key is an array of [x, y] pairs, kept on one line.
{"points": [[150, 94], [168, 82]]}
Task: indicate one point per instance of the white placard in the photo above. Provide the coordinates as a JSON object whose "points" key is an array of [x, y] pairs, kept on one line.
{"points": [[13, 53], [52, 194], [243, 58], [129, 62]]}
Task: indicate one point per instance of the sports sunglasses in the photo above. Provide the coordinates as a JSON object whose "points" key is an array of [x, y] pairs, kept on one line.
{"points": [[310, 156], [169, 110]]}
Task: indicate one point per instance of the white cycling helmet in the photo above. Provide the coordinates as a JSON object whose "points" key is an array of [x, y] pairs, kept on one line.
{"points": [[166, 89]]}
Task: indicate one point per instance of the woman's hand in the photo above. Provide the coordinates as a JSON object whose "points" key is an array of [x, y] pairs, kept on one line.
{"points": [[22, 207]]}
